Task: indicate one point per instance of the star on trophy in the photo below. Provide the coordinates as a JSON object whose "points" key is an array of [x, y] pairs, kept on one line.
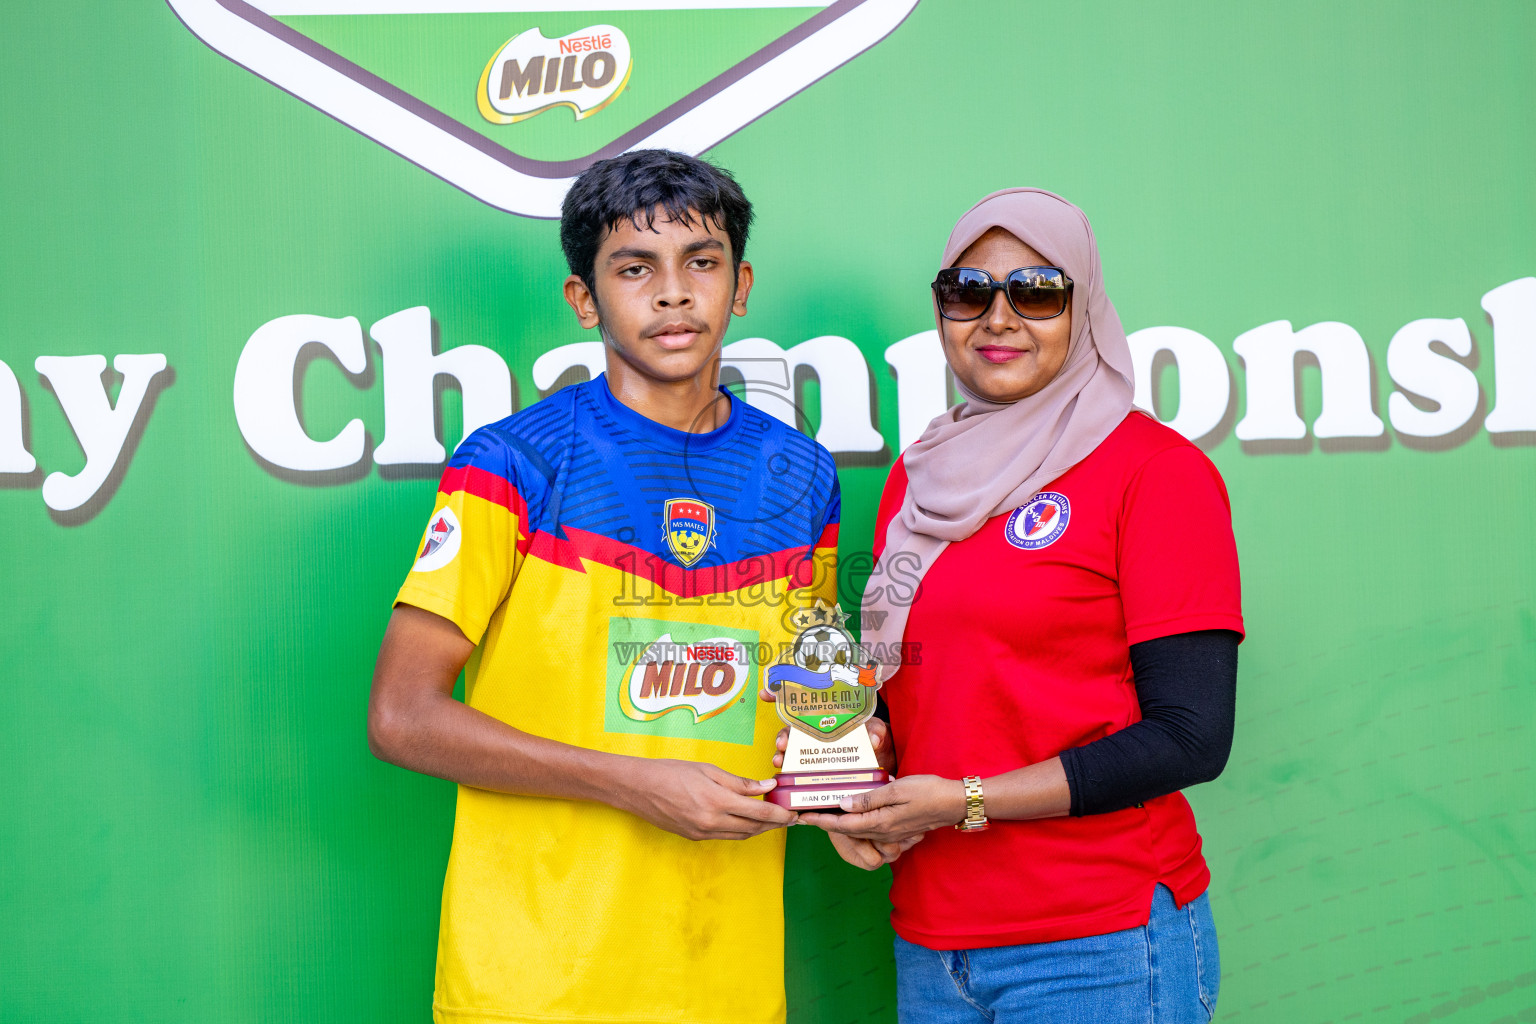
{"points": [[824, 688]]}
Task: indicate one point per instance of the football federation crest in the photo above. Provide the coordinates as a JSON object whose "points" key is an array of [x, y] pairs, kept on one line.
{"points": [[441, 543], [690, 528], [1039, 522], [826, 688]]}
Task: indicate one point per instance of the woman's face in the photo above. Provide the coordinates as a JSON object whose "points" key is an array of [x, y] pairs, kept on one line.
{"points": [[1000, 356]]}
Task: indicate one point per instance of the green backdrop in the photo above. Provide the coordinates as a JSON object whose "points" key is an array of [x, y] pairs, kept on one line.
{"points": [[193, 827]]}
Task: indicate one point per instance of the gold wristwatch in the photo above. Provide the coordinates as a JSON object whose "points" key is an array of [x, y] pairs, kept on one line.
{"points": [[975, 809]]}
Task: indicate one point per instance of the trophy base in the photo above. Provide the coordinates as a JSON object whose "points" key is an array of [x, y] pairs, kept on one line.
{"points": [[821, 791]]}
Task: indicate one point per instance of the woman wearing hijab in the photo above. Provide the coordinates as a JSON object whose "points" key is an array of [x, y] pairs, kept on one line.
{"points": [[1072, 657]]}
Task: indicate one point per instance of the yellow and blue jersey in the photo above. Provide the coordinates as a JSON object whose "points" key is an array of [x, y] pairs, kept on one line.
{"points": [[626, 584]]}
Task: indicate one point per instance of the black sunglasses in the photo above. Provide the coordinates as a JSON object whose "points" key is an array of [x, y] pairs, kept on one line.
{"points": [[1035, 293]]}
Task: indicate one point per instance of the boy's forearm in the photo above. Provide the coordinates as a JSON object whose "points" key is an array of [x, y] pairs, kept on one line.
{"points": [[414, 722], [435, 734]]}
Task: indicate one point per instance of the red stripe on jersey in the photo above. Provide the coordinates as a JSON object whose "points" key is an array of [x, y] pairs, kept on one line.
{"points": [[769, 567], [495, 489], [482, 484]]}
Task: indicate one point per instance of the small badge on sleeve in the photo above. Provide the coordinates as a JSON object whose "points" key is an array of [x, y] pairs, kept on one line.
{"points": [[1039, 522], [442, 542]]}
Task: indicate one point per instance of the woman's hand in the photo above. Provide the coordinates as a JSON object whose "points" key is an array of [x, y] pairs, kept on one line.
{"points": [[867, 854], [861, 852], [893, 814]]}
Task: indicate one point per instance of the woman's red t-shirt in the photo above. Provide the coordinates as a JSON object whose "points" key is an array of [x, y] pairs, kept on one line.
{"points": [[1023, 633]]}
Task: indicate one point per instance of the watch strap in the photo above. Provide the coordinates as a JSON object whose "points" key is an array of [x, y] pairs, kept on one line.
{"points": [[975, 807]]}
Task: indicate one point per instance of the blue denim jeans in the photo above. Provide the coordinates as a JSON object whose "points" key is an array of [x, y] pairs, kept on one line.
{"points": [[1166, 972]]}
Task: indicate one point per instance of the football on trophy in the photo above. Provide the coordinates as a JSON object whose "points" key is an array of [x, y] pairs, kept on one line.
{"points": [[818, 649]]}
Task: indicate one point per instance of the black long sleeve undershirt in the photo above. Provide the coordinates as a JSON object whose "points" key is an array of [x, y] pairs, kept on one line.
{"points": [[1187, 687]]}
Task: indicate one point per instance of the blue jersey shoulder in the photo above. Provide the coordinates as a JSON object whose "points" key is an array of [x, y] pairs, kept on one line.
{"points": [[526, 448], [574, 465], [798, 464]]}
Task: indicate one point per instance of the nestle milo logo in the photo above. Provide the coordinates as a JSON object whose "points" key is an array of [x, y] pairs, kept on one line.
{"points": [[530, 74], [703, 677], [391, 103], [684, 679]]}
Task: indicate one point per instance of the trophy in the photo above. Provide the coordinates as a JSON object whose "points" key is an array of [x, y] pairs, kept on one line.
{"points": [[825, 692]]}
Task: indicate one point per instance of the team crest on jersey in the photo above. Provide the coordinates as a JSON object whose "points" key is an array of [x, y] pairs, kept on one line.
{"points": [[441, 543], [1039, 522], [690, 528]]}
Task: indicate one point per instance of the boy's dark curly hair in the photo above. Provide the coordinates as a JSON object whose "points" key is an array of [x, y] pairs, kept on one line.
{"points": [[635, 186]]}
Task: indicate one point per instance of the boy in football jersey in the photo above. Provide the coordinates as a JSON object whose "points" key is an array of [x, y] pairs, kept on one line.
{"points": [[614, 565]]}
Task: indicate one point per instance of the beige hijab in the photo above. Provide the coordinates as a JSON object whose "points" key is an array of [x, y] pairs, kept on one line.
{"points": [[982, 459]]}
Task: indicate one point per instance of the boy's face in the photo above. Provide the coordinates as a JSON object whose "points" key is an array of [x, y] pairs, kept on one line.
{"points": [[664, 297]]}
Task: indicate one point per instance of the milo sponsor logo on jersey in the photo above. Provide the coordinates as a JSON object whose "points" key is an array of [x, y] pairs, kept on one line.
{"points": [[684, 679], [703, 677]]}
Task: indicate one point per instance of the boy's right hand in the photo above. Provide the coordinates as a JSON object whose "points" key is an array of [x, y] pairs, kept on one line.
{"points": [[701, 801]]}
